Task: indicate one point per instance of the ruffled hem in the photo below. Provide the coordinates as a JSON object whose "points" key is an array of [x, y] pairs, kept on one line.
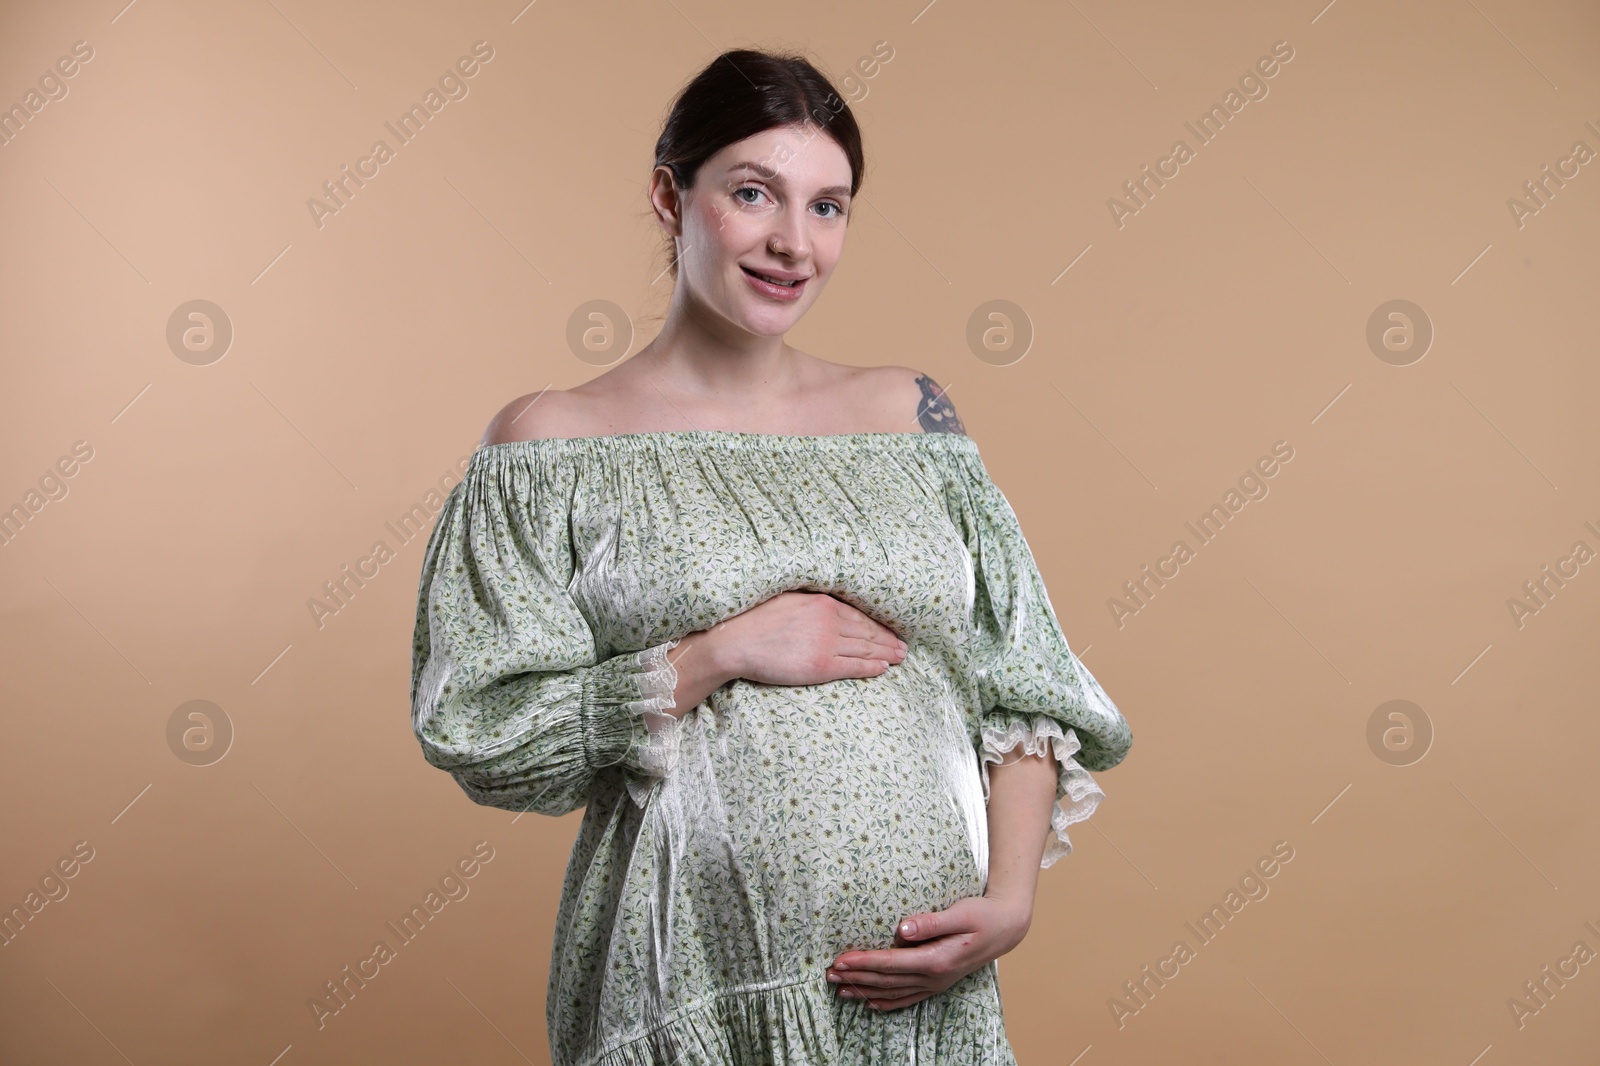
{"points": [[1077, 793], [804, 1023], [624, 721], [657, 755]]}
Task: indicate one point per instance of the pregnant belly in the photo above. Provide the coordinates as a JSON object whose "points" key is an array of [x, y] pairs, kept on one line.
{"points": [[845, 807]]}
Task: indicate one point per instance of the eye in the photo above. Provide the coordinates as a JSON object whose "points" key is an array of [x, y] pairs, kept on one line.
{"points": [[838, 212], [747, 188]]}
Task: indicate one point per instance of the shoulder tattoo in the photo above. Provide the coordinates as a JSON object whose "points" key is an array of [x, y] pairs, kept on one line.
{"points": [[935, 412]]}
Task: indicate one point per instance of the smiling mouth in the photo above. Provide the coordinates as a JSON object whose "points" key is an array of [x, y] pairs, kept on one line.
{"points": [[772, 280]]}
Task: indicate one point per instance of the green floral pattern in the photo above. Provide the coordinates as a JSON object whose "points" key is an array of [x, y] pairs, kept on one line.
{"points": [[726, 858]]}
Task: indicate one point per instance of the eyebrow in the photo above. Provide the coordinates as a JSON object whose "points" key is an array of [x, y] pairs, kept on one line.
{"points": [[773, 176]]}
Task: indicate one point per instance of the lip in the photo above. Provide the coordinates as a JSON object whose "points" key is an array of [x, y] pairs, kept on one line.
{"points": [[777, 292]]}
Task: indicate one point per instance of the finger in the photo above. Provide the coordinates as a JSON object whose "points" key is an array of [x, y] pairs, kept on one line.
{"points": [[844, 666], [921, 927], [874, 980], [954, 919], [877, 999], [893, 990], [865, 648], [855, 623], [915, 960], [860, 658], [896, 1004], [867, 631], [880, 632]]}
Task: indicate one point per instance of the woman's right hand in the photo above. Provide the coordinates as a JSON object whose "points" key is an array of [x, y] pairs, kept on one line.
{"points": [[807, 638]]}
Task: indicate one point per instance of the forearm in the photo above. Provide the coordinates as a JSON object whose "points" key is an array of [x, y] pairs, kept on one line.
{"points": [[1022, 795], [703, 666]]}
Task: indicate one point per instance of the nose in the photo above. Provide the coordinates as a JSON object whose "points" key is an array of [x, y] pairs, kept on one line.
{"points": [[790, 236]]}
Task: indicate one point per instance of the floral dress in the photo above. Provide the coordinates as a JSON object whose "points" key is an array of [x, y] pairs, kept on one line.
{"points": [[725, 858]]}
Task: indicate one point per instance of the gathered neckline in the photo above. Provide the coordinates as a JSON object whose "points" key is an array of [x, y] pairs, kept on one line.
{"points": [[732, 437]]}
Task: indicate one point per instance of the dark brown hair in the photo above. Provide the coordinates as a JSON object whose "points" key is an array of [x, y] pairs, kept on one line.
{"points": [[742, 93]]}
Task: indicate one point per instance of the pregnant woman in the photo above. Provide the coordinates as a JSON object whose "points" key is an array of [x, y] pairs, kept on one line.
{"points": [[767, 618]]}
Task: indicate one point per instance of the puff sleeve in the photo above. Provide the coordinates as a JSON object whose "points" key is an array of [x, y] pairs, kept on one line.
{"points": [[507, 691], [1034, 695]]}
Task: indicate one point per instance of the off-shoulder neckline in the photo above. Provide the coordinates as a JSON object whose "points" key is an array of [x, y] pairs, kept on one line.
{"points": [[729, 437]]}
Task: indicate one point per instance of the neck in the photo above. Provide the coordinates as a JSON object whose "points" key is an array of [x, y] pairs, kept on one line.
{"points": [[717, 362]]}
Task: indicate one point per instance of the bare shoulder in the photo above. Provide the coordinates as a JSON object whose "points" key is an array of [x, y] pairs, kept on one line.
{"points": [[917, 398], [547, 413]]}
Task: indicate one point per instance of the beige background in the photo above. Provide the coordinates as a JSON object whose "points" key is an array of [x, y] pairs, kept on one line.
{"points": [[1229, 313]]}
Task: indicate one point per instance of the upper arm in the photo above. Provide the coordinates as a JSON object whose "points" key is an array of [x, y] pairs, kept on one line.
{"points": [[527, 417], [922, 401]]}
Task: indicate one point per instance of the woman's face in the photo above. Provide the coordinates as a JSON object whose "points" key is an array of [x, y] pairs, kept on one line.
{"points": [[772, 204]]}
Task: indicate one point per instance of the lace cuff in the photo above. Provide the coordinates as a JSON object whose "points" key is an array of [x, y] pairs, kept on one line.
{"points": [[1008, 740], [625, 722]]}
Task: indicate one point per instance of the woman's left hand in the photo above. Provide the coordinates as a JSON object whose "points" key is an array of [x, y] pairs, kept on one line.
{"points": [[940, 949]]}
